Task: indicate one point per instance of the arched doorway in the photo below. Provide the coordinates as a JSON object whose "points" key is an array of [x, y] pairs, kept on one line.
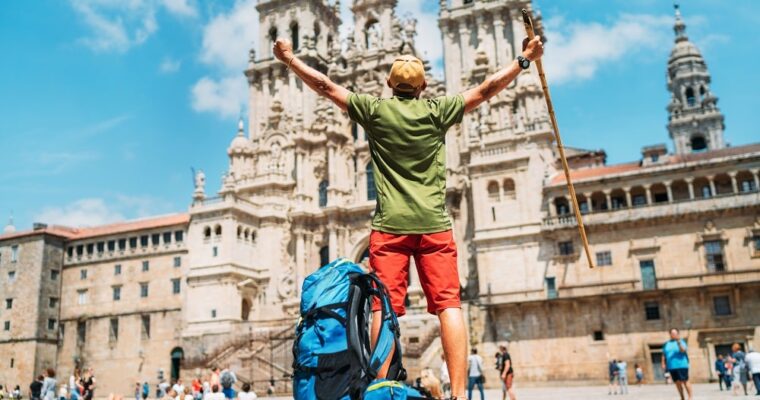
{"points": [[177, 355], [245, 309]]}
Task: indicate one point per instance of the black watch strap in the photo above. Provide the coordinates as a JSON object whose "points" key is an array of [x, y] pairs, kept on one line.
{"points": [[523, 62]]}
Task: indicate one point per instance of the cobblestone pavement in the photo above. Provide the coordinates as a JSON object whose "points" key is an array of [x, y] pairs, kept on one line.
{"points": [[645, 392]]}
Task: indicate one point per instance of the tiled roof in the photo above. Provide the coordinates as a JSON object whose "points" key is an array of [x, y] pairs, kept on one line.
{"points": [[606, 170], [110, 229]]}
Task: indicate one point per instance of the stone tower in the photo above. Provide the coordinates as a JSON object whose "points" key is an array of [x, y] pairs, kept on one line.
{"points": [[500, 154], [695, 122]]}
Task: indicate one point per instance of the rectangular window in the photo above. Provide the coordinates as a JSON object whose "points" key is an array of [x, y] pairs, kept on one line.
{"points": [[639, 200], [7, 325], [214, 251], [714, 255], [111, 245], [551, 288], [81, 331], [54, 274], [53, 302], [14, 253], [603, 258], [70, 251], [756, 243], [82, 274], [80, 250], [101, 246], [167, 237], [178, 236], [145, 327], [721, 305], [155, 239], [122, 244], [51, 324], [90, 249], [177, 262], [652, 310], [116, 293], [144, 289], [648, 277], [82, 296], [8, 304], [145, 266], [133, 243], [114, 331], [213, 313], [175, 286], [748, 186], [566, 248], [584, 207], [617, 203], [144, 241], [598, 336], [117, 269], [11, 276]]}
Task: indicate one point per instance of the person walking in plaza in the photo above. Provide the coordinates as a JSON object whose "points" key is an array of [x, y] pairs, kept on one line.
{"points": [[406, 136], [246, 393], [145, 390], [613, 372], [445, 380], [88, 384], [676, 361], [639, 373], [720, 370], [474, 374], [753, 366], [138, 390], [74, 379], [227, 378], [740, 368], [506, 373], [622, 367], [47, 392], [35, 388]]}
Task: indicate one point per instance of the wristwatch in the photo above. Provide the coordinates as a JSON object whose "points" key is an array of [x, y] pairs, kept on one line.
{"points": [[523, 62]]}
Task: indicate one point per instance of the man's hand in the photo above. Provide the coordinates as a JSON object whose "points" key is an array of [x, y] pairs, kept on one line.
{"points": [[283, 50], [533, 49]]}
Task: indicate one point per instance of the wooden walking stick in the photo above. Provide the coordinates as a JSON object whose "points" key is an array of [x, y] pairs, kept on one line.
{"points": [[529, 29]]}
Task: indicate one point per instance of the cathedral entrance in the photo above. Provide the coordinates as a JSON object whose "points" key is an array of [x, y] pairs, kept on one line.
{"points": [[177, 355]]}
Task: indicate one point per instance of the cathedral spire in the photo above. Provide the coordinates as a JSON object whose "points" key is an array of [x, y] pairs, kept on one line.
{"points": [[679, 27]]}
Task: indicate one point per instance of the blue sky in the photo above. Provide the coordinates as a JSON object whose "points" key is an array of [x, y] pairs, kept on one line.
{"points": [[106, 105]]}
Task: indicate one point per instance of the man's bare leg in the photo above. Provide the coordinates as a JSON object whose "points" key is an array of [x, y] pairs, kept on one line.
{"points": [[454, 340], [687, 384], [679, 386]]}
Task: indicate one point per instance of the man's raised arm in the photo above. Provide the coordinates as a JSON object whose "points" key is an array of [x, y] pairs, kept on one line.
{"points": [[499, 81], [314, 79]]}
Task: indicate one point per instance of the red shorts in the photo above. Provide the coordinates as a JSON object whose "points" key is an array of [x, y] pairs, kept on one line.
{"points": [[436, 257]]}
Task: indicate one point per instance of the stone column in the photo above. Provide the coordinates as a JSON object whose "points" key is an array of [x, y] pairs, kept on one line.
{"points": [[331, 164], [690, 183], [734, 184], [300, 260], [552, 208], [711, 179], [503, 52], [464, 45], [332, 243], [756, 176], [648, 189], [589, 203], [669, 188], [628, 201], [608, 198]]}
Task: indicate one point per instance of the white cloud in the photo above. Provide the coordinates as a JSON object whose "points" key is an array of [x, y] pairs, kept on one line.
{"points": [[169, 65], [116, 25], [227, 38], [225, 96], [84, 212], [575, 51], [180, 7], [98, 211]]}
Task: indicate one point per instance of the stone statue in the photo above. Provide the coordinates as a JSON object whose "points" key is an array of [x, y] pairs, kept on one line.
{"points": [[374, 37], [200, 181]]}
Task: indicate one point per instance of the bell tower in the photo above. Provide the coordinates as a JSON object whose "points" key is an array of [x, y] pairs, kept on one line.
{"points": [[695, 123]]}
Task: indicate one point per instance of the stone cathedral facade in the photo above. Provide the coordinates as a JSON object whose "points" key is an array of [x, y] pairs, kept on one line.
{"points": [[675, 236]]}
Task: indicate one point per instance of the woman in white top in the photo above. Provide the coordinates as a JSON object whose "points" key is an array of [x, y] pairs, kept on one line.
{"points": [[48, 385], [246, 393]]}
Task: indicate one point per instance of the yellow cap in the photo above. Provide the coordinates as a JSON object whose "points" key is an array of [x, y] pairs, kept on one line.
{"points": [[407, 74]]}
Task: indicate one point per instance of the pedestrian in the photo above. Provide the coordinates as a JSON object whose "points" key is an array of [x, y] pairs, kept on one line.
{"points": [[163, 389], [246, 393], [613, 373], [406, 136], [676, 361], [2, 392], [145, 390], [63, 394], [187, 394], [47, 392], [178, 387], [475, 374], [753, 366], [17, 392], [197, 388], [445, 380], [170, 395], [506, 373], [88, 384], [740, 368], [74, 392], [215, 394], [720, 370], [215, 372], [138, 390], [639, 374], [622, 367], [227, 378], [35, 387], [729, 377]]}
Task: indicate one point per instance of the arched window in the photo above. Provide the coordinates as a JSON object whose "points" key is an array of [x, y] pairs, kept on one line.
{"points": [[371, 34], [207, 232], [329, 42], [218, 230], [245, 309], [690, 99], [371, 189], [563, 208], [177, 355], [253, 235], [247, 233], [324, 256], [698, 143], [706, 192], [239, 231], [493, 191], [702, 93], [323, 193], [272, 39], [294, 35], [509, 188]]}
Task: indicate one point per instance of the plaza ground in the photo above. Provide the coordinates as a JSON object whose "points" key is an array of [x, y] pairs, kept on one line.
{"points": [[648, 392]]}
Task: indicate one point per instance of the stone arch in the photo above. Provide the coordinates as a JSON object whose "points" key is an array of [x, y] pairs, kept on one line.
{"points": [[245, 309], [358, 249], [217, 230], [207, 232]]}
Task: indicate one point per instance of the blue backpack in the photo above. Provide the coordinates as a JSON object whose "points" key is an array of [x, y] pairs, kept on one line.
{"points": [[332, 359]]}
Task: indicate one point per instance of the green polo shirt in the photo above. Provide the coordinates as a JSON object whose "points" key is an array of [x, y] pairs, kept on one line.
{"points": [[407, 142]]}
